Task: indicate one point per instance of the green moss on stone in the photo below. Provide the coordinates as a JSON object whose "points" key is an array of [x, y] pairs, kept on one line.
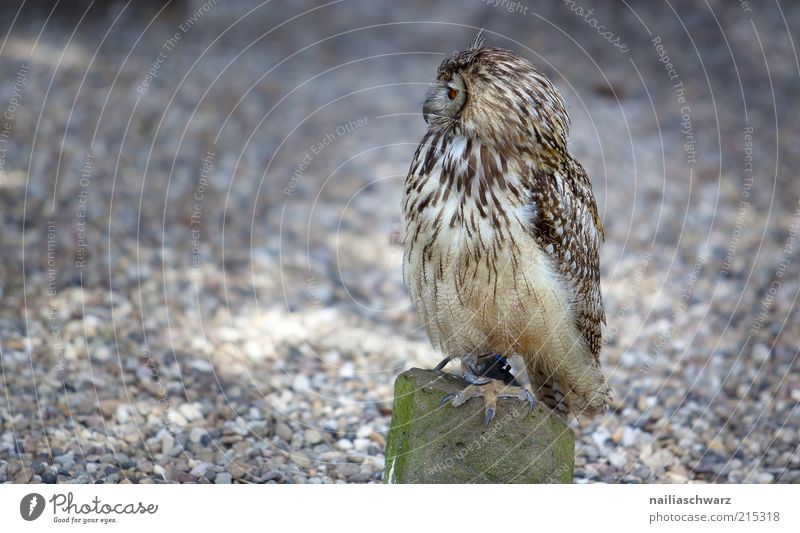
{"points": [[432, 444]]}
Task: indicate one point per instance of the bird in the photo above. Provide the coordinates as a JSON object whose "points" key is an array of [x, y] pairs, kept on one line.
{"points": [[501, 237]]}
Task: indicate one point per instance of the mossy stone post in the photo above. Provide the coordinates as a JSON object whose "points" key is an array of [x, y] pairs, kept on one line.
{"points": [[432, 444]]}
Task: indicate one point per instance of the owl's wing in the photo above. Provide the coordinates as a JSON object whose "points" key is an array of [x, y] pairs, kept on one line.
{"points": [[565, 223]]}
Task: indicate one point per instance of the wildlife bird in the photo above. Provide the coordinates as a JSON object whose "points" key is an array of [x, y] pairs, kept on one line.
{"points": [[502, 235]]}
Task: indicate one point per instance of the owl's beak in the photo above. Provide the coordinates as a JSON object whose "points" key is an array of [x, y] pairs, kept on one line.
{"points": [[428, 108]]}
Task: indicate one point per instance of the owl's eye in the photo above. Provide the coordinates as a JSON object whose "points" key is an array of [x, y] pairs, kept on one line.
{"points": [[452, 93]]}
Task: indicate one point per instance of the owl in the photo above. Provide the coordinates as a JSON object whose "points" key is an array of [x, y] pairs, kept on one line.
{"points": [[501, 236]]}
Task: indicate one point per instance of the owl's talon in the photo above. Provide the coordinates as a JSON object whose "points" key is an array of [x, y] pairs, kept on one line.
{"points": [[447, 399], [529, 397], [475, 380], [490, 392], [443, 363]]}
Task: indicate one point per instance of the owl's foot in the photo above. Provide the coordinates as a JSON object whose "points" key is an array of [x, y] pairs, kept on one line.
{"points": [[473, 370], [490, 392]]}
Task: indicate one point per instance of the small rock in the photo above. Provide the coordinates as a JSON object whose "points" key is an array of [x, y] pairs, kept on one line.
{"points": [[237, 470], [300, 460], [674, 477], [223, 478], [122, 413], [348, 469], [191, 411], [167, 442], [312, 436], [196, 435], [642, 472], [618, 459], [600, 436], [275, 475], [378, 439], [13, 468], [361, 445], [185, 477], [284, 431], [177, 418], [108, 407], [301, 383], [765, 477], [260, 429]]}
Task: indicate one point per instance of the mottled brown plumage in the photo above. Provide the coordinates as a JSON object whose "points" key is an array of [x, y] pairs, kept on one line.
{"points": [[502, 230]]}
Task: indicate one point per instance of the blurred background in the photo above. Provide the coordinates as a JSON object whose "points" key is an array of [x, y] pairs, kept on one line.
{"points": [[199, 276]]}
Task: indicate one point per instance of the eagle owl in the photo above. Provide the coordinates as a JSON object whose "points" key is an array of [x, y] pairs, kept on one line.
{"points": [[502, 235]]}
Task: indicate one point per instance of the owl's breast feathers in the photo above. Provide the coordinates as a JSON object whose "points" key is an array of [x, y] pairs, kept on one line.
{"points": [[475, 215]]}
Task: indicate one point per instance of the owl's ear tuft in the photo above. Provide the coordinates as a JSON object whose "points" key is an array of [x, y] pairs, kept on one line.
{"points": [[478, 41]]}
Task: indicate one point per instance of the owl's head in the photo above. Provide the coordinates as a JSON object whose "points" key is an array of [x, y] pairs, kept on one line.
{"points": [[499, 98]]}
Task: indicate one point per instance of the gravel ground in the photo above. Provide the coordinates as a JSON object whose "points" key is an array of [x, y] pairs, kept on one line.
{"points": [[199, 280]]}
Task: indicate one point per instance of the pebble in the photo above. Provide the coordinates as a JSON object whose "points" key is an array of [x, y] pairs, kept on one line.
{"points": [[301, 460], [618, 459], [312, 436], [167, 442], [765, 477], [223, 478], [284, 431], [273, 475], [196, 434], [348, 469], [160, 470], [361, 444], [237, 470], [185, 477]]}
